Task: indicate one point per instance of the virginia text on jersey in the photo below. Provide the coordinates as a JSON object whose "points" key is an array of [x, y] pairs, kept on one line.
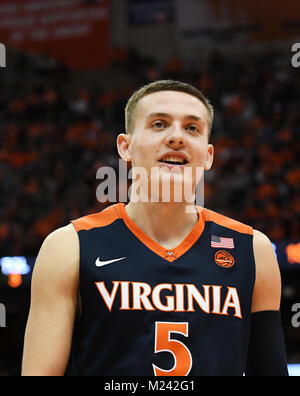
{"points": [[143, 297]]}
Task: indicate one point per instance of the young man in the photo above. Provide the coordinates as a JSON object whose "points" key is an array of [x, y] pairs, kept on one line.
{"points": [[152, 288]]}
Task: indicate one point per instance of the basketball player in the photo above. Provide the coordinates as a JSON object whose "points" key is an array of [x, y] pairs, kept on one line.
{"points": [[151, 289]]}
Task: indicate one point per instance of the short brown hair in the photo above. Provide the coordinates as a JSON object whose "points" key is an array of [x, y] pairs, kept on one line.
{"points": [[164, 85]]}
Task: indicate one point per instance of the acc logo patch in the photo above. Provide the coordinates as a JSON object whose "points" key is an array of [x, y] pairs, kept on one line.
{"points": [[224, 259]]}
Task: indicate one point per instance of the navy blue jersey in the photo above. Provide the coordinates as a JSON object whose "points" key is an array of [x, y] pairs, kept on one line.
{"points": [[150, 311]]}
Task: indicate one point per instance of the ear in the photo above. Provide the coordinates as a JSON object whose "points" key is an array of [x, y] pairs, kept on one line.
{"points": [[209, 157], [123, 145]]}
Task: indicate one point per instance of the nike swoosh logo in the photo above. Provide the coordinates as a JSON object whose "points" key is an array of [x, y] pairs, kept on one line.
{"points": [[100, 263]]}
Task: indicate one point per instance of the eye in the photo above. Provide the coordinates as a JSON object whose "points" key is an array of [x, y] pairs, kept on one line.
{"points": [[159, 124], [193, 128]]}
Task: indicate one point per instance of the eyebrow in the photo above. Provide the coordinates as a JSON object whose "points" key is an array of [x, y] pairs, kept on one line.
{"points": [[165, 115]]}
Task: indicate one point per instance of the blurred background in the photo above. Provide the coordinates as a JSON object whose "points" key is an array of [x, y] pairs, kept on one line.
{"points": [[70, 67]]}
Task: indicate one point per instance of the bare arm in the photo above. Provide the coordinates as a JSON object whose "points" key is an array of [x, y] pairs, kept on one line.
{"points": [[266, 352], [54, 300], [267, 290]]}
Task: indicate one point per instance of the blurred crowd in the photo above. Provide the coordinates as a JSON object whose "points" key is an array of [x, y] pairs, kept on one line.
{"points": [[55, 133]]}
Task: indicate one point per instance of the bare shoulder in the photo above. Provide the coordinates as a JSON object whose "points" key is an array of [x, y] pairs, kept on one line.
{"points": [[267, 291], [61, 244], [64, 240], [58, 258], [66, 233]]}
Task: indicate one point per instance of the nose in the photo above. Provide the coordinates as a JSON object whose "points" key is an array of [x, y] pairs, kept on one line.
{"points": [[175, 139]]}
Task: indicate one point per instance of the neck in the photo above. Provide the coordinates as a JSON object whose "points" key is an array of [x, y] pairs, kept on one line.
{"points": [[166, 223]]}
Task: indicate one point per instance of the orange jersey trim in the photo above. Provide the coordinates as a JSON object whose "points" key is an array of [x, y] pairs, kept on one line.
{"points": [[101, 219], [178, 251], [228, 222], [118, 211]]}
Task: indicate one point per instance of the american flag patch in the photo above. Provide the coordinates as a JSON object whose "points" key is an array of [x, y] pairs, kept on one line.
{"points": [[221, 242]]}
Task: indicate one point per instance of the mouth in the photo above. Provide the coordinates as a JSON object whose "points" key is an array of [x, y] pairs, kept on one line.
{"points": [[173, 160]]}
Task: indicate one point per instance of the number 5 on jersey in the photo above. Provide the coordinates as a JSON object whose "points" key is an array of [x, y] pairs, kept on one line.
{"points": [[164, 343]]}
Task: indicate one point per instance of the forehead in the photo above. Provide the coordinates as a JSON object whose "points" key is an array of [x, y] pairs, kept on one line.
{"points": [[171, 102]]}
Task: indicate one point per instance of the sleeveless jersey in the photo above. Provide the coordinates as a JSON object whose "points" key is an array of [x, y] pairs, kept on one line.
{"points": [[150, 311]]}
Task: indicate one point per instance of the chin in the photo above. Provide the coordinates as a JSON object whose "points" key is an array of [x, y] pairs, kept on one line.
{"points": [[173, 190]]}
